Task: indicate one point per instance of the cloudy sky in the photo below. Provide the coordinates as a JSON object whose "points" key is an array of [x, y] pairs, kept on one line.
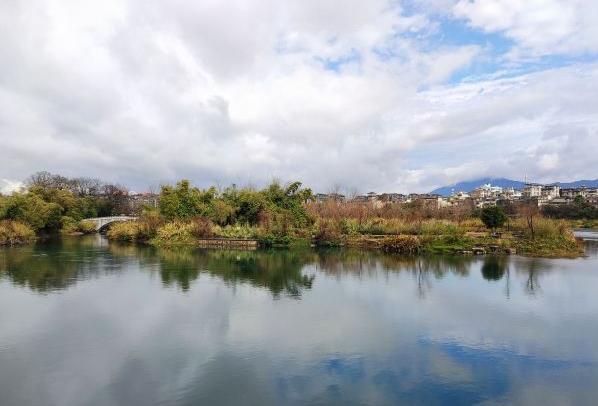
{"points": [[367, 95]]}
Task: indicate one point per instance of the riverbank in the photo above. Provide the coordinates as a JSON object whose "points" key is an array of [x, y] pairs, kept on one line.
{"points": [[549, 238]]}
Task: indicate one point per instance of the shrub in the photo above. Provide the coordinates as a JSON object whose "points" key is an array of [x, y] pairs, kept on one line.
{"points": [[68, 224], [14, 232], [86, 227], [404, 244], [328, 233], [493, 217], [236, 231], [124, 231], [349, 226], [201, 227], [175, 232]]}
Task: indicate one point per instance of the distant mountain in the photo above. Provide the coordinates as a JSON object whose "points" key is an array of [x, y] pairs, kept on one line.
{"points": [[578, 183], [505, 183]]}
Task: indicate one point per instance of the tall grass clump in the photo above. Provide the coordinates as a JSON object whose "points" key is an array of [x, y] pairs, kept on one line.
{"points": [[14, 232], [402, 244], [175, 233], [440, 227], [550, 238], [328, 233], [202, 227], [86, 227], [240, 231], [125, 231]]}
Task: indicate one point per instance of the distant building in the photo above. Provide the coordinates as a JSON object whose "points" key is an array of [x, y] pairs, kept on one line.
{"points": [[460, 195], [532, 190], [392, 197], [486, 191], [551, 192], [572, 193], [137, 201]]}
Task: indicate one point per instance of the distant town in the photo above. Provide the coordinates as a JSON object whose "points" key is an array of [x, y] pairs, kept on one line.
{"points": [[483, 196]]}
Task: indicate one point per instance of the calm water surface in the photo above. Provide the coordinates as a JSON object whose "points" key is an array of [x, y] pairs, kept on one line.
{"points": [[85, 322]]}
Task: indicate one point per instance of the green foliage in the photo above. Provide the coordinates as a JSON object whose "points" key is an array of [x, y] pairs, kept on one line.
{"points": [[579, 209], [275, 207], [184, 202], [68, 225], [31, 209], [493, 217]]}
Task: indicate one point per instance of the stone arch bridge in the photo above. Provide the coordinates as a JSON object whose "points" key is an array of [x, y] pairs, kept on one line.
{"points": [[102, 223]]}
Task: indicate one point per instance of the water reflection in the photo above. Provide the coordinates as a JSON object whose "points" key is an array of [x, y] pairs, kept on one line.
{"points": [[57, 265], [278, 271], [119, 324]]}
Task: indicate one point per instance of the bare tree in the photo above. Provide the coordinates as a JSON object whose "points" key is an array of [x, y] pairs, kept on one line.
{"points": [[529, 211]]}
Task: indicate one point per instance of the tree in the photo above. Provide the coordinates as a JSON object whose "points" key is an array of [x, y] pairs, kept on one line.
{"points": [[529, 210], [493, 217]]}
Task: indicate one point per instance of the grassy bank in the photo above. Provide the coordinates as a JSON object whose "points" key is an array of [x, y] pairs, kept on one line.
{"points": [[583, 224], [14, 232], [549, 238]]}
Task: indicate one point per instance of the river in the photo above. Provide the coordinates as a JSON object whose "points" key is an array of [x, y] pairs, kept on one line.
{"points": [[87, 322]]}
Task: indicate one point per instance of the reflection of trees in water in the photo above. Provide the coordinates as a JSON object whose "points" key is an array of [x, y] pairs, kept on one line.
{"points": [[59, 264], [360, 262], [438, 266], [494, 267], [278, 271], [534, 268], [55, 265], [367, 263]]}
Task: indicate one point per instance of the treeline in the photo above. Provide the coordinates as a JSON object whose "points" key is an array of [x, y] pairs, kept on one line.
{"points": [[579, 209], [274, 214], [51, 203]]}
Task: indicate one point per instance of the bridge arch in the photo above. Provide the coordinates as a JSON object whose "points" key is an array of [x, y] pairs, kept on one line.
{"points": [[102, 223]]}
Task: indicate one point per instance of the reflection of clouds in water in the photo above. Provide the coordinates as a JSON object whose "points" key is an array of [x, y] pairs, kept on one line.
{"points": [[359, 333]]}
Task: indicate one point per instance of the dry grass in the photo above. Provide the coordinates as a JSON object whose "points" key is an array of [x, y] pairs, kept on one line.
{"points": [[14, 232]]}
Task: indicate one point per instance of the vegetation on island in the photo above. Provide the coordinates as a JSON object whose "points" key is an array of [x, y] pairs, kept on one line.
{"points": [[53, 203], [279, 215], [288, 215]]}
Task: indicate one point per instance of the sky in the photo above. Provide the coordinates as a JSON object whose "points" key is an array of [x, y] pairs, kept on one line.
{"points": [[396, 96]]}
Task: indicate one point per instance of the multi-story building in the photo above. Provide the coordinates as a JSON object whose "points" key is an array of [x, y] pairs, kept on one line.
{"points": [[532, 190], [486, 191], [551, 192]]}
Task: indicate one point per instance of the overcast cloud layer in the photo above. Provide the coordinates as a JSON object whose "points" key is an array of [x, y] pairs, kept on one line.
{"points": [[367, 95]]}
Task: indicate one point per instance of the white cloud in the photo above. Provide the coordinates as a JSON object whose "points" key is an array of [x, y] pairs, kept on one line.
{"points": [[539, 27], [236, 91], [8, 186]]}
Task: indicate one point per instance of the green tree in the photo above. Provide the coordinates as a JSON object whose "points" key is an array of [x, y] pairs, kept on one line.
{"points": [[493, 217]]}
